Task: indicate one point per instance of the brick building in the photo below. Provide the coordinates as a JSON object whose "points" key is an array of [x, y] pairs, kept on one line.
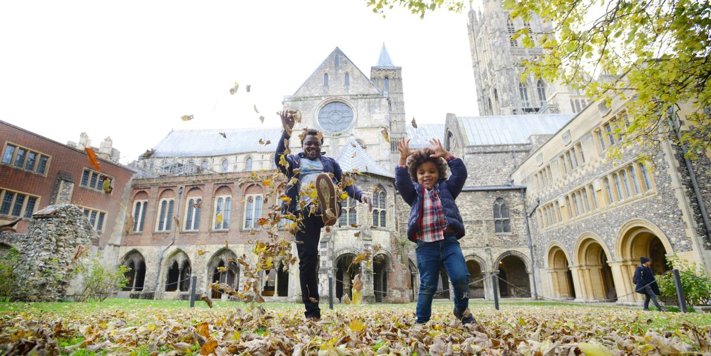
{"points": [[36, 172]]}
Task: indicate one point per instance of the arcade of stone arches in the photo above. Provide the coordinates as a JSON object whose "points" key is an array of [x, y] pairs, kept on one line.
{"points": [[176, 268], [592, 274], [597, 272]]}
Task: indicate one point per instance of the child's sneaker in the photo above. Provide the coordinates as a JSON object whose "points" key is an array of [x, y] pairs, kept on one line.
{"points": [[466, 317], [328, 199]]}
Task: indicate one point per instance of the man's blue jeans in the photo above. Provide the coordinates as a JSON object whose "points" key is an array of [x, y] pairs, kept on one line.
{"points": [[431, 257]]}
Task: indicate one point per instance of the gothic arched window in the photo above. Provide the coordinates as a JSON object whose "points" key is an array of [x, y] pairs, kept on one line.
{"points": [[379, 198], [511, 30], [502, 222], [541, 86], [248, 164], [523, 93]]}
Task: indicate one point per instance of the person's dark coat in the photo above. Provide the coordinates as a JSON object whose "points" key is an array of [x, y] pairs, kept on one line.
{"points": [[643, 276], [448, 190], [291, 165]]}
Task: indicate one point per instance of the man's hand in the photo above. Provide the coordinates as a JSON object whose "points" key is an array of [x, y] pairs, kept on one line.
{"points": [[287, 120], [366, 199], [404, 147]]}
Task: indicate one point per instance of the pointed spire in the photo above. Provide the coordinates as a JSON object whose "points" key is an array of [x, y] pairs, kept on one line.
{"points": [[384, 60]]}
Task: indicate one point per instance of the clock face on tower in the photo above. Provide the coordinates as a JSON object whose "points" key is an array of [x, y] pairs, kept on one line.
{"points": [[335, 116]]}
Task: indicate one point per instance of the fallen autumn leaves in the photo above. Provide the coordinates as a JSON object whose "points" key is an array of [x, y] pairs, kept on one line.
{"points": [[264, 329]]}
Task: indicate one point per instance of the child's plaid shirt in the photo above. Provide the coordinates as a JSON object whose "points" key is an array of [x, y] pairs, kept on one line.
{"points": [[432, 223]]}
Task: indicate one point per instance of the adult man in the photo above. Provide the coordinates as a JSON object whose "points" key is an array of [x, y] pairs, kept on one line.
{"points": [[646, 284]]}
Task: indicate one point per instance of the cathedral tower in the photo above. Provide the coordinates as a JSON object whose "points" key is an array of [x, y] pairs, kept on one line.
{"points": [[496, 60]]}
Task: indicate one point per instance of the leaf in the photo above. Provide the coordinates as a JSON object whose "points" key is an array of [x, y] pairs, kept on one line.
{"points": [[255, 109], [201, 252], [234, 88], [261, 118], [413, 122], [186, 117], [207, 300], [203, 329], [209, 347], [594, 349], [93, 161], [356, 325], [248, 88], [386, 135]]}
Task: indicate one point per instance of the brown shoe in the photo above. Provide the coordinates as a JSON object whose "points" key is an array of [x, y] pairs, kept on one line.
{"points": [[327, 198]]}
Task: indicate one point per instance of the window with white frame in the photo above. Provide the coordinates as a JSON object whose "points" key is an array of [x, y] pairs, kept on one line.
{"points": [[252, 210], [223, 206], [502, 222], [139, 214], [248, 164], [24, 158], [96, 218], [94, 180], [165, 215], [379, 215], [193, 208], [17, 204], [348, 217]]}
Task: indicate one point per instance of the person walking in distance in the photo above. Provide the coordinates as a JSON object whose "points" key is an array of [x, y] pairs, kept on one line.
{"points": [[646, 284], [312, 171]]}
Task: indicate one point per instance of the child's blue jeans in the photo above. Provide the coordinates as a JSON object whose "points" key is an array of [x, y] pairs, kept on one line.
{"points": [[431, 257]]}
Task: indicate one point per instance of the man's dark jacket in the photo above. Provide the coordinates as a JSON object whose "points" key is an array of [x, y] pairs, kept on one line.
{"points": [[293, 162], [643, 276]]}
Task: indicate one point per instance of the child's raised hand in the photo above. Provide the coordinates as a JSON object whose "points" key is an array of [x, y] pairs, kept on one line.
{"points": [[404, 147], [439, 151]]}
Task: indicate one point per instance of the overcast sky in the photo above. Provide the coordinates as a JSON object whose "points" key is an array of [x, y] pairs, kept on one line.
{"points": [[131, 69]]}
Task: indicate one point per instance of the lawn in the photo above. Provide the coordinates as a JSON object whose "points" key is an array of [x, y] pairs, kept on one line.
{"points": [[145, 327]]}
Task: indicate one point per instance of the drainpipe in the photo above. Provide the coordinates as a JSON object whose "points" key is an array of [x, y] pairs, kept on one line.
{"points": [[674, 122], [530, 240], [176, 229]]}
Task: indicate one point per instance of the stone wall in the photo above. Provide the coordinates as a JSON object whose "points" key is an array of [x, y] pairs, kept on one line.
{"points": [[493, 165], [58, 235]]}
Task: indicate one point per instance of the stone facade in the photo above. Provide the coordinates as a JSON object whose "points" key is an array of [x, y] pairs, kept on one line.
{"points": [[596, 216], [364, 107], [58, 238], [496, 58]]}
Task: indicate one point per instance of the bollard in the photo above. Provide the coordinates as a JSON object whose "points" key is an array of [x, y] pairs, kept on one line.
{"points": [[495, 284], [330, 291], [679, 291], [193, 285]]}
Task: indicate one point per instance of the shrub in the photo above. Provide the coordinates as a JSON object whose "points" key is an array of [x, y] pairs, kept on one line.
{"points": [[99, 282], [7, 278], [695, 283]]}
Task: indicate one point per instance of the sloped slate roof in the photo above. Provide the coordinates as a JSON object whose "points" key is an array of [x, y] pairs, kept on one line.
{"points": [[511, 129], [201, 143], [420, 137], [353, 156]]}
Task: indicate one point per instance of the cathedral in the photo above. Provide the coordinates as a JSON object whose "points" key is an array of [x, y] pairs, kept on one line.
{"points": [[545, 210]]}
